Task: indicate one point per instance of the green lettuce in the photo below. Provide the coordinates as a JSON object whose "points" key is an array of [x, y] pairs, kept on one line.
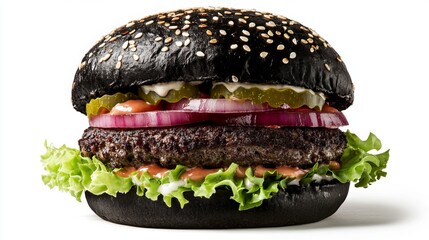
{"points": [[70, 172]]}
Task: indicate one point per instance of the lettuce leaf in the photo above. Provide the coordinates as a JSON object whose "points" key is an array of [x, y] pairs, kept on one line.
{"points": [[70, 172], [358, 164]]}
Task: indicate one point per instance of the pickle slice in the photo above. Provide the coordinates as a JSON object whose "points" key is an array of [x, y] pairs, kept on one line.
{"points": [[273, 96], [173, 95], [107, 102]]}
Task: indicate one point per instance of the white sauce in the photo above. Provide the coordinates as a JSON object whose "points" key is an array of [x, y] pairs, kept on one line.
{"points": [[167, 188], [162, 89]]}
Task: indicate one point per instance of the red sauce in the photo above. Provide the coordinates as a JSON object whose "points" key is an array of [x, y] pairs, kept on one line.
{"points": [[197, 174], [132, 106], [294, 172], [261, 170], [240, 172], [126, 171], [334, 165], [154, 170]]}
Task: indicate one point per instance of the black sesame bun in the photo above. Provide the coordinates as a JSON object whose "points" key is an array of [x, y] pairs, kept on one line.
{"points": [[224, 45], [292, 206]]}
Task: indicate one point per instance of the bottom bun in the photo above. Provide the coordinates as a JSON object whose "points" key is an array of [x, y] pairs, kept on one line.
{"points": [[292, 206]]}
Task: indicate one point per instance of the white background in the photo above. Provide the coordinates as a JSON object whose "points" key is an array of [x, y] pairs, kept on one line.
{"points": [[384, 44]]}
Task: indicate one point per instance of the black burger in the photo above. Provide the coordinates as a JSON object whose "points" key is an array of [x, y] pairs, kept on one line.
{"points": [[213, 118]]}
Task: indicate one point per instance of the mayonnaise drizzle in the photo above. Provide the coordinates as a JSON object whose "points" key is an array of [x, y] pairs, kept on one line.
{"points": [[162, 89]]}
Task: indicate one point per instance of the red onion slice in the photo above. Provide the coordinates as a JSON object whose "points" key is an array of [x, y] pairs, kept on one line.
{"points": [[147, 119], [208, 105], [284, 118]]}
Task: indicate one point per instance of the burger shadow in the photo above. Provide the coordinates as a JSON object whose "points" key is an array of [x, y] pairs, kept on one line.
{"points": [[356, 214]]}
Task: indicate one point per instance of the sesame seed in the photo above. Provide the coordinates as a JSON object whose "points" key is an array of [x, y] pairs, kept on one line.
{"points": [[215, 18], [242, 20], [310, 40], [303, 41], [82, 65], [261, 28], [188, 17], [160, 22], [234, 78], [290, 31], [167, 24], [185, 27], [246, 48], [264, 35], [280, 47], [130, 24], [295, 41], [270, 24], [244, 39], [125, 45], [110, 50], [252, 25], [339, 59], [177, 32], [187, 22], [213, 41], [138, 35], [208, 32], [187, 41], [168, 40], [118, 65], [286, 36], [175, 19], [90, 54], [231, 23], [234, 46], [222, 32], [227, 12], [327, 67], [200, 54], [113, 39], [101, 45], [179, 43], [292, 23], [164, 49], [270, 33], [325, 45], [245, 32], [278, 33], [312, 49], [263, 54], [285, 60], [185, 34], [292, 55], [172, 27], [120, 57], [157, 39], [269, 41], [133, 49], [149, 22], [203, 20], [202, 25], [105, 57], [136, 57]]}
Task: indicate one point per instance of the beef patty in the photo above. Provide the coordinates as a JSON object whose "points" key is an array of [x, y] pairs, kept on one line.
{"points": [[213, 146]]}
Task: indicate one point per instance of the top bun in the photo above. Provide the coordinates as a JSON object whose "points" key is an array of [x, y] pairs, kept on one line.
{"points": [[212, 44]]}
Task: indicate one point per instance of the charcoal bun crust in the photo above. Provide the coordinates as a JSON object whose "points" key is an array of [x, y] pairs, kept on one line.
{"points": [[209, 45], [295, 205]]}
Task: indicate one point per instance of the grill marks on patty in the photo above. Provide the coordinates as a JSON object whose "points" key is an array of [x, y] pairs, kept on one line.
{"points": [[213, 146]]}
